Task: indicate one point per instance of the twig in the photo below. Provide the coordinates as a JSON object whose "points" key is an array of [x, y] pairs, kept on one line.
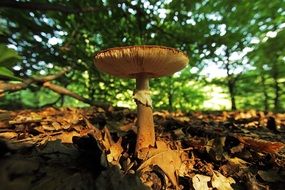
{"points": [[45, 82], [64, 91], [11, 87]]}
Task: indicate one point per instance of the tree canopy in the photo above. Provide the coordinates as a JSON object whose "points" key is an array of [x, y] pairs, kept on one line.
{"points": [[236, 51]]}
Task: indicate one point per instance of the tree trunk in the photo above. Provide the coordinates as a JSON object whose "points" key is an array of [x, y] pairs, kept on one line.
{"points": [[276, 87], [277, 95], [231, 82], [231, 87], [265, 94], [170, 100]]}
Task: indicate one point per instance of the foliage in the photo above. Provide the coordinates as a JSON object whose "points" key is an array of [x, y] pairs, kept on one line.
{"points": [[232, 36], [7, 60]]}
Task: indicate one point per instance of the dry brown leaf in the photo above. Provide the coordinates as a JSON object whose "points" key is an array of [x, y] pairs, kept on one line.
{"points": [[237, 161], [200, 182], [168, 161], [127, 127], [66, 137], [221, 182], [5, 115], [4, 119], [77, 128], [113, 178], [252, 184], [48, 128], [271, 176], [39, 129], [115, 152], [237, 148], [107, 139], [100, 110], [31, 118], [56, 125], [187, 165], [146, 153], [262, 145], [215, 148], [112, 150], [3, 125], [8, 135], [179, 133]]}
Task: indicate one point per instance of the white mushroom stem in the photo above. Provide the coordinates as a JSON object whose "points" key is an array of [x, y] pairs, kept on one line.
{"points": [[145, 124]]}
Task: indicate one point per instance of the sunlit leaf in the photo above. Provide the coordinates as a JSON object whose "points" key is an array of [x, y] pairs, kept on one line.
{"points": [[8, 57], [6, 73]]}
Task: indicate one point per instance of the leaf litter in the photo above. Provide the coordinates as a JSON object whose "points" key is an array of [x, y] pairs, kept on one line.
{"points": [[93, 148]]}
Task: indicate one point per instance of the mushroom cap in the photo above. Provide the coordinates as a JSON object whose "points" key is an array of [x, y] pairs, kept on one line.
{"points": [[130, 61]]}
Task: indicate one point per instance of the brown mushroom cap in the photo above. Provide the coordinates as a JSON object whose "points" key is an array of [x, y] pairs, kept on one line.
{"points": [[129, 61]]}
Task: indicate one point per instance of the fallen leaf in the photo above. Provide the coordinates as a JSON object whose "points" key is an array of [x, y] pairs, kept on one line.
{"points": [[237, 161], [168, 161], [252, 184], [115, 152], [100, 110], [31, 118], [48, 127], [8, 135], [39, 129], [178, 133], [271, 176], [66, 137], [262, 145], [200, 182], [215, 148], [107, 139], [221, 182], [146, 153], [113, 178], [56, 125], [237, 148]]}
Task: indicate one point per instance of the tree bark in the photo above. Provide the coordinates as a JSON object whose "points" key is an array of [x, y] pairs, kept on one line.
{"points": [[170, 100], [45, 82], [276, 87], [277, 95], [265, 94], [64, 91], [231, 87], [231, 83]]}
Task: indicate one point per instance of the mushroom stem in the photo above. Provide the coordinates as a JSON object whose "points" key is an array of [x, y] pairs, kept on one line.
{"points": [[145, 124]]}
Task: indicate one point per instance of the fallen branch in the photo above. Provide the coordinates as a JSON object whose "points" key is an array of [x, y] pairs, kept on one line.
{"points": [[12, 87], [43, 81], [51, 77], [64, 91]]}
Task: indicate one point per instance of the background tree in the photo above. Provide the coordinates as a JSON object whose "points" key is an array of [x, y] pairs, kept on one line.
{"points": [[231, 36]]}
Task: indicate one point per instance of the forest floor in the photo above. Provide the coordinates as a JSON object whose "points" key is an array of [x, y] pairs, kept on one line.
{"points": [[93, 148]]}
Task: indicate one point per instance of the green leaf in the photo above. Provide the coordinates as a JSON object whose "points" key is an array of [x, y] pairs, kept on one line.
{"points": [[6, 73], [8, 57]]}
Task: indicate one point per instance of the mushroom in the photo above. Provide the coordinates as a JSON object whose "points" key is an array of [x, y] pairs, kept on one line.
{"points": [[141, 63]]}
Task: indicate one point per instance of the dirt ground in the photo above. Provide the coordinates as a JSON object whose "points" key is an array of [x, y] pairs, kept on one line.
{"points": [[93, 148]]}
